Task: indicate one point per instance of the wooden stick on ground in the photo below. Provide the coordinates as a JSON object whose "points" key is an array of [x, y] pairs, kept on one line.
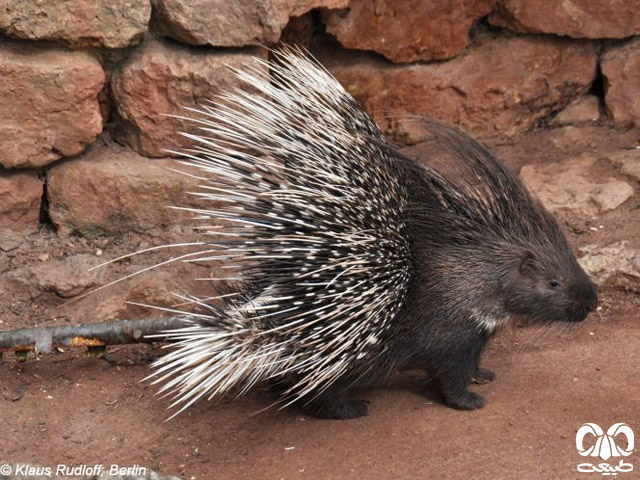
{"points": [[117, 332]]}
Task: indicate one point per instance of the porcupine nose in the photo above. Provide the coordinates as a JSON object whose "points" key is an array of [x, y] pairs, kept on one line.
{"points": [[587, 301], [591, 299]]}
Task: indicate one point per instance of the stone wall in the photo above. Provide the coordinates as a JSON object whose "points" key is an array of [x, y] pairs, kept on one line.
{"points": [[87, 85]]}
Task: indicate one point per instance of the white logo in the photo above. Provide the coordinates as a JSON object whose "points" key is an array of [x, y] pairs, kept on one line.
{"points": [[605, 447]]}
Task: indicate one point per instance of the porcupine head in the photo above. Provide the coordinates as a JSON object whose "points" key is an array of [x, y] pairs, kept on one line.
{"points": [[355, 260]]}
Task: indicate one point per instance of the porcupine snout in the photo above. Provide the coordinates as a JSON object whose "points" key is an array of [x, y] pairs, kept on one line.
{"points": [[585, 297]]}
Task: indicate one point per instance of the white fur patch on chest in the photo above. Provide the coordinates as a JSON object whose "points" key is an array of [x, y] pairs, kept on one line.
{"points": [[489, 321]]}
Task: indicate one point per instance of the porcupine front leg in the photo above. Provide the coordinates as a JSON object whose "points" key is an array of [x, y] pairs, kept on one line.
{"points": [[482, 376], [456, 366]]}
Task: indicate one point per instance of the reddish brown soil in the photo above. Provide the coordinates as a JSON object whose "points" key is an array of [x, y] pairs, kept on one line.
{"points": [[72, 409]]}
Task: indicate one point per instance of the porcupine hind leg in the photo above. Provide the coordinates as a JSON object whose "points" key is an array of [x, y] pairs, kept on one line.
{"points": [[335, 404]]}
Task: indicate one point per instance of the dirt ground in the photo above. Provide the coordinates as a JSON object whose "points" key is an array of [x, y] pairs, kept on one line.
{"points": [[75, 410]]}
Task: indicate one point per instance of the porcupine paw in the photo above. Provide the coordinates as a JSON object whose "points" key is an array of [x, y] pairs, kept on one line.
{"points": [[338, 410], [465, 401], [483, 375]]}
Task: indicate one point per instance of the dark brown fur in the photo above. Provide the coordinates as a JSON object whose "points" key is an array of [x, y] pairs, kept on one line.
{"points": [[484, 251]]}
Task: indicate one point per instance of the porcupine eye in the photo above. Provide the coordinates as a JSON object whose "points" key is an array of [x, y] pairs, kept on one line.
{"points": [[554, 284]]}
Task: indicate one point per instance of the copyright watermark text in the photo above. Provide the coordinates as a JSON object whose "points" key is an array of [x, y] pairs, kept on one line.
{"points": [[62, 470]]}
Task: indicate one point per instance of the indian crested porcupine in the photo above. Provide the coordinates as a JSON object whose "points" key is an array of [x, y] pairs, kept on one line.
{"points": [[355, 260]]}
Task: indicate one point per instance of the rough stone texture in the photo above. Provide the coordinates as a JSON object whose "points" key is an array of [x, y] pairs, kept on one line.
{"points": [[48, 103], [20, 195], [10, 240], [162, 79], [567, 185], [621, 69], [584, 110], [231, 23], [300, 31], [407, 30], [111, 191], [617, 263], [77, 23], [65, 278], [573, 18], [628, 161], [501, 84], [631, 167]]}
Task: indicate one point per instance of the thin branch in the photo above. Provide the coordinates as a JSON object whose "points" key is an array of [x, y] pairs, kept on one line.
{"points": [[117, 332]]}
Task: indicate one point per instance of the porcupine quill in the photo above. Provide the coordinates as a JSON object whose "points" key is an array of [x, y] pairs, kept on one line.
{"points": [[355, 261]]}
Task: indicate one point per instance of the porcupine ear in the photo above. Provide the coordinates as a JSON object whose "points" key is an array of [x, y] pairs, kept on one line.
{"points": [[528, 264]]}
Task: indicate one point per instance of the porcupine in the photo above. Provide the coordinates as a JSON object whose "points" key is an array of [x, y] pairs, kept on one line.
{"points": [[356, 261]]}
